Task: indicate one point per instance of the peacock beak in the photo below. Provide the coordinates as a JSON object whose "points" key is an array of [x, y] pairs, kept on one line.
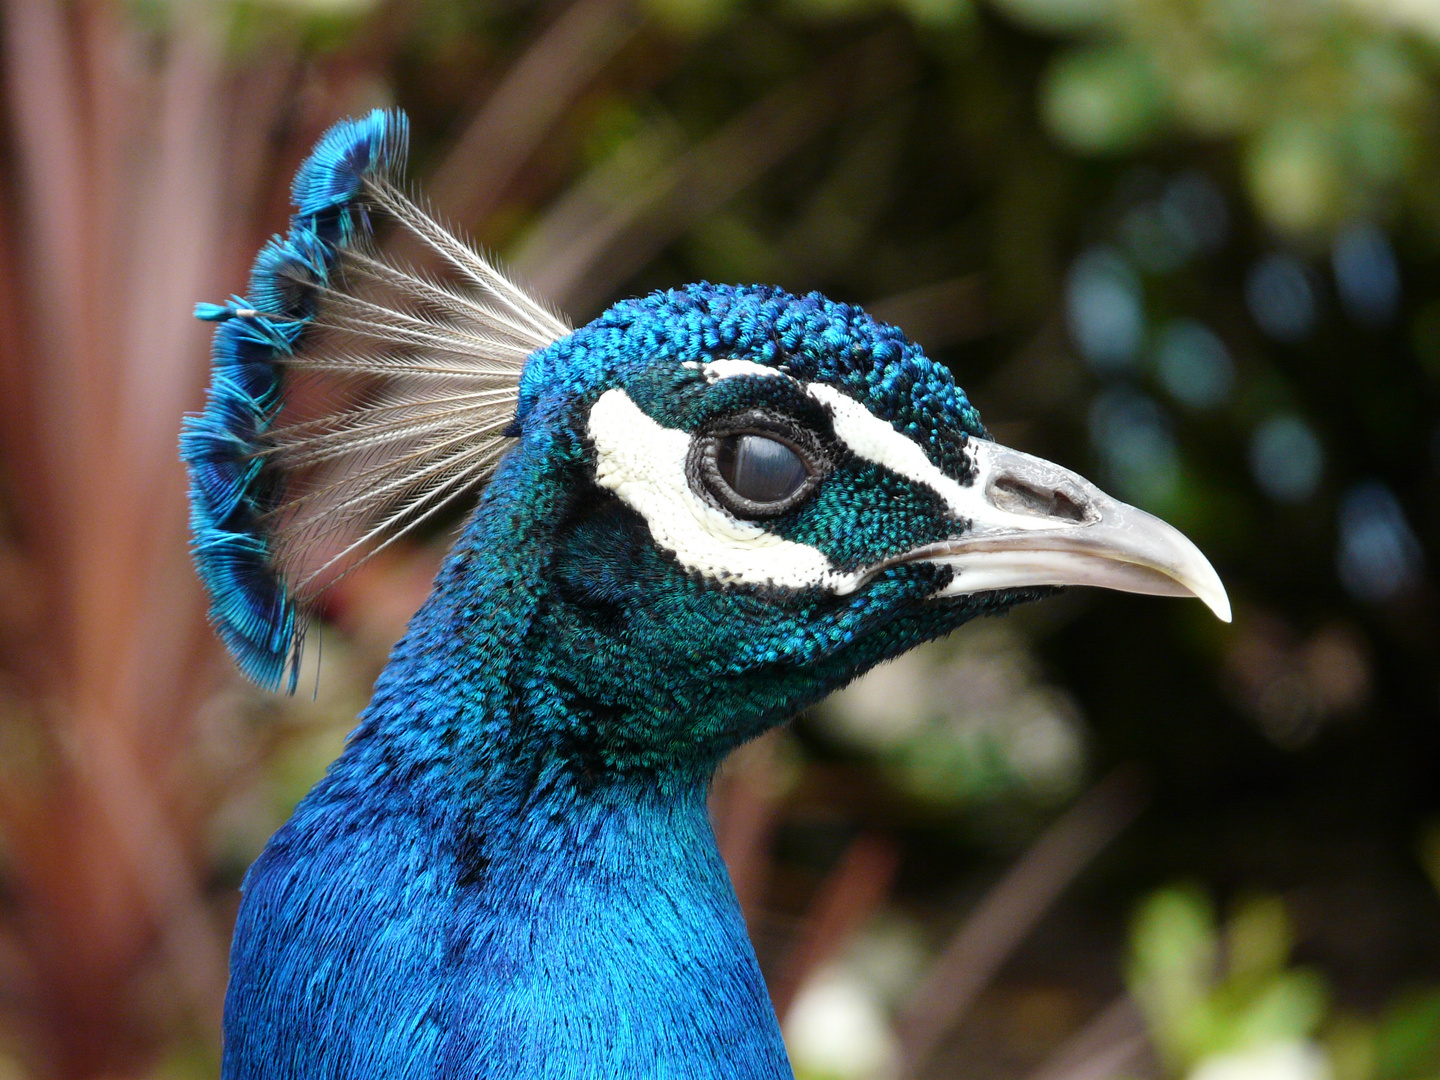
{"points": [[1035, 523]]}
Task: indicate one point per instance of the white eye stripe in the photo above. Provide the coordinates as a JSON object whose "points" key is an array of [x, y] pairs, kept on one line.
{"points": [[643, 463], [715, 370], [876, 441]]}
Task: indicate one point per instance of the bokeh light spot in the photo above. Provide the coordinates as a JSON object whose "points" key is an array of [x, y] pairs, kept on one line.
{"points": [[1105, 310], [1379, 556], [1295, 174], [1188, 218], [1195, 208], [1153, 240], [1367, 275], [837, 1028], [1101, 99], [1058, 15], [1281, 297], [1286, 459], [1193, 364], [1131, 433]]}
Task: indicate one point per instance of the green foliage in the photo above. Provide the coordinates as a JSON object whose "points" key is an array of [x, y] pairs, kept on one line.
{"points": [[1103, 99], [965, 722], [1217, 999], [1326, 103], [1407, 1039], [1403, 1043], [1207, 991]]}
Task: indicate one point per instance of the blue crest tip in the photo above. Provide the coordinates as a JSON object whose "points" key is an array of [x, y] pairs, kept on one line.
{"points": [[232, 489], [372, 147], [214, 312]]}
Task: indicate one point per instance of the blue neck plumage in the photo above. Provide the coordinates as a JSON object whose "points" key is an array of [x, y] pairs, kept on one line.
{"points": [[538, 905]]}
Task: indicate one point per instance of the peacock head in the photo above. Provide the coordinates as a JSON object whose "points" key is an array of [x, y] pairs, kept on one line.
{"points": [[763, 495], [728, 500]]}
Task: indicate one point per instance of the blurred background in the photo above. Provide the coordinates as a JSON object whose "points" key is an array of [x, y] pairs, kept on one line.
{"points": [[1190, 248]]}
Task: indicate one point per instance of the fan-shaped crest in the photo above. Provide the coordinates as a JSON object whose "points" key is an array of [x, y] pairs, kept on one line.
{"points": [[351, 399]]}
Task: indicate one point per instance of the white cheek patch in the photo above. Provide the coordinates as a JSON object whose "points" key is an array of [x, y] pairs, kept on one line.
{"points": [[875, 440], [644, 464]]}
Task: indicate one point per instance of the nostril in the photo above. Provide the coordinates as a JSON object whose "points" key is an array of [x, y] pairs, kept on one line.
{"points": [[1015, 496], [1072, 506]]}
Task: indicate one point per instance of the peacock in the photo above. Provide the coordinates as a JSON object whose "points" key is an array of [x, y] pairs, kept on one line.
{"points": [[697, 514]]}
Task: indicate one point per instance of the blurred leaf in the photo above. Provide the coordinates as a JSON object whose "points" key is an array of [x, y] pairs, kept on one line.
{"points": [[1257, 940], [1173, 956], [693, 18], [1059, 15], [1233, 1017], [964, 721], [1102, 99], [736, 250], [1217, 96], [1295, 175], [1351, 1043], [939, 14], [1288, 1007], [1408, 1041]]}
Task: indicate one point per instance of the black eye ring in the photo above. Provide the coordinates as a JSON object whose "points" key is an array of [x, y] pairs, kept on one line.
{"points": [[756, 465]]}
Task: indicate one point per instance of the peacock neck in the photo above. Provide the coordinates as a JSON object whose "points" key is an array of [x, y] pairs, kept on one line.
{"points": [[538, 907]]}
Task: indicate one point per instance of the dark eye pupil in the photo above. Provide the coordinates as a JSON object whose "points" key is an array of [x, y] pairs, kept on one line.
{"points": [[760, 469]]}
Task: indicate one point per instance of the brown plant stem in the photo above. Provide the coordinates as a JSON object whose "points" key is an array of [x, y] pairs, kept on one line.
{"points": [[578, 265], [1010, 910], [1112, 1044], [850, 896], [533, 95]]}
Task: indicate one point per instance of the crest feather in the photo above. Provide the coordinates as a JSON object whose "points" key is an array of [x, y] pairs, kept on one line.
{"points": [[351, 398]]}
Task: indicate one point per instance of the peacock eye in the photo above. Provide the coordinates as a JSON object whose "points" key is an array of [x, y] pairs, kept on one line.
{"points": [[760, 469], [757, 474]]}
